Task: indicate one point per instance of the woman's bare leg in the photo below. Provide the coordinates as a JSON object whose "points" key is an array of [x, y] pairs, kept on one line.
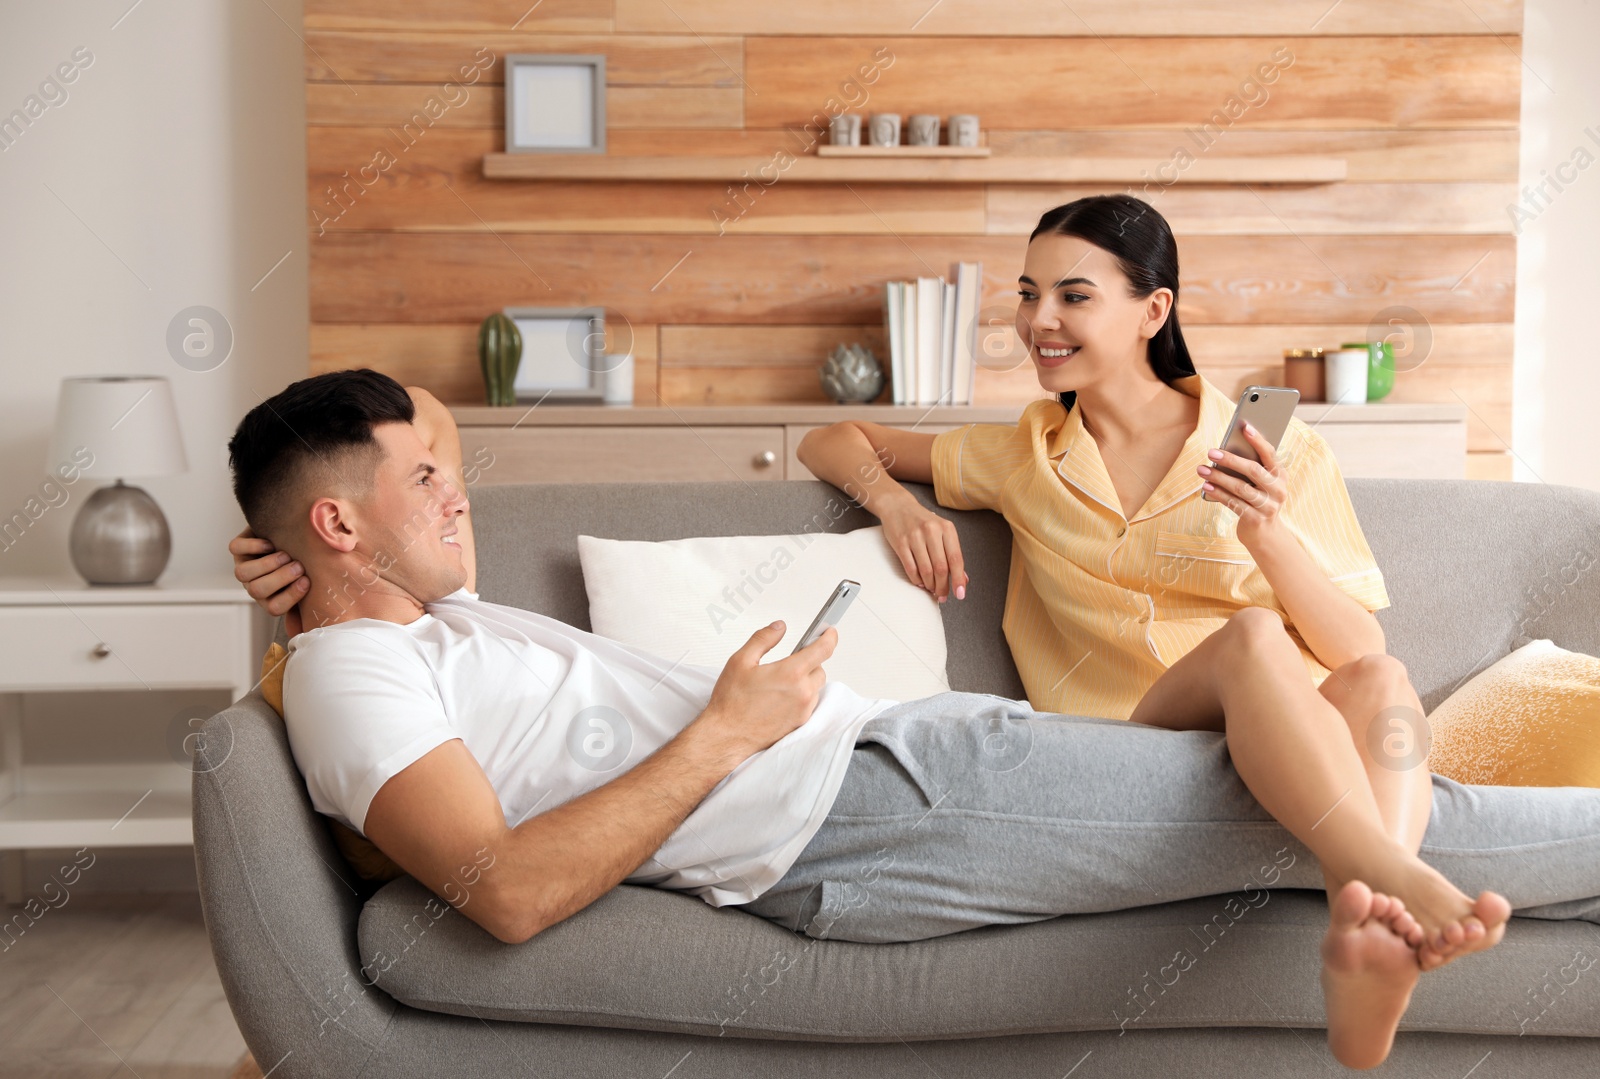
{"points": [[1384, 716], [1387, 727], [1190, 695], [1294, 750]]}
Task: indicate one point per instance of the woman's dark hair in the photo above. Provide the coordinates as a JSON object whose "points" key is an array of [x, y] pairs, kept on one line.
{"points": [[1139, 237]]}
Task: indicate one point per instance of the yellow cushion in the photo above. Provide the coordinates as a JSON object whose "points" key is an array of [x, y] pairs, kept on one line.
{"points": [[364, 857], [272, 676], [1530, 720]]}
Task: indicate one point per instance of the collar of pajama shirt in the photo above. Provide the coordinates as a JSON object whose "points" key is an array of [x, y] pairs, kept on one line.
{"points": [[1098, 605]]}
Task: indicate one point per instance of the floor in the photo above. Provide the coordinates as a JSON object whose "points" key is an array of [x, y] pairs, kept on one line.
{"points": [[113, 985]]}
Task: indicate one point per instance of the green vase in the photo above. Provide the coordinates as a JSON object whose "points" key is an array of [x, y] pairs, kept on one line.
{"points": [[1380, 366], [499, 354]]}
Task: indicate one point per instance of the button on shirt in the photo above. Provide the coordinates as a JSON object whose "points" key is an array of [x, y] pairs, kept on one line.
{"points": [[1098, 605]]}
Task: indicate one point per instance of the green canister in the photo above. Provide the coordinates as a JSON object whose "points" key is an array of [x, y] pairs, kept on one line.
{"points": [[1380, 366]]}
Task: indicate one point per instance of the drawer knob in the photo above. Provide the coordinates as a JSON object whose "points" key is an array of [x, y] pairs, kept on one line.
{"points": [[101, 650], [765, 459]]}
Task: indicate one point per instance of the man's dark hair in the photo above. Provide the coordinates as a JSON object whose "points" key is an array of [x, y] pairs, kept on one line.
{"points": [[319, 428]]}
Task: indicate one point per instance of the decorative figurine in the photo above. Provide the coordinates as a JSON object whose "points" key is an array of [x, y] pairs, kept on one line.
{"points": [[963, 130], [852, 374], [923, 130], [499, 354], [845, 130]]}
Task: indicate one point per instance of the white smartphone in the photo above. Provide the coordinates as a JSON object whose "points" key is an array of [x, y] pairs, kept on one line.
{"points": [[1268, 409], [831, 612]]}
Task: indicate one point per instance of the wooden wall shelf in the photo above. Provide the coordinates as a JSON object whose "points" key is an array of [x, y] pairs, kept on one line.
{"points": [[1288, 169]]}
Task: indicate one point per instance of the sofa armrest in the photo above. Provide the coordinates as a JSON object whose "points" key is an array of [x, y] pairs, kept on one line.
{"points": [[280, 904]]}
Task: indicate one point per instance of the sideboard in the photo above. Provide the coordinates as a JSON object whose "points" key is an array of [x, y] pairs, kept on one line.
{"points": [[567, 443]]}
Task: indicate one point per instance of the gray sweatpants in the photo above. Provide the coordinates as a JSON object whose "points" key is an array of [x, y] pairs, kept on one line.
{"points": [[963, 809]]}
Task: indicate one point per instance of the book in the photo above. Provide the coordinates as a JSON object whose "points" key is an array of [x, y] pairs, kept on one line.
{"points": [[930, 321], [947, 347], [969, 277], [932, 327], [908, 337], [893, 318]]}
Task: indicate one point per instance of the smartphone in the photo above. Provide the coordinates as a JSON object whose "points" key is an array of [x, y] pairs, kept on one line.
{"points": [[1268, 409], [831, 612]]}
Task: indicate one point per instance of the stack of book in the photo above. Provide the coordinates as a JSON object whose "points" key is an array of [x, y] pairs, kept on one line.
{"points": [[932, 327]]}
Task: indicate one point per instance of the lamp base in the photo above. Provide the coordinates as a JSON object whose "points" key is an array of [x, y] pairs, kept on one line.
{"points": [[120, 536]]}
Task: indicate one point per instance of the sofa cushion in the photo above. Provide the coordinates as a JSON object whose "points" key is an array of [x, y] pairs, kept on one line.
{"points": [[640, 958], [696, 600], [1531, 719], [528, 549]]}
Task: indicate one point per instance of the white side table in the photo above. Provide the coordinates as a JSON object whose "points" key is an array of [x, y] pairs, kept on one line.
{"points": [[62, 634]]}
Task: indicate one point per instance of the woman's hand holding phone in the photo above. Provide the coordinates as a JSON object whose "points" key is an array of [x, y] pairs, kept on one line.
{"points": [[927, 547], [1259, 496]]}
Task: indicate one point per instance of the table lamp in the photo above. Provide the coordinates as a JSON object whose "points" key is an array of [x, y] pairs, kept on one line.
{"points": [[128, 425]]}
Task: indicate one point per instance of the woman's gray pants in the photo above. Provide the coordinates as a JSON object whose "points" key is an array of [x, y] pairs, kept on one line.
{"points": [[963, 809]]}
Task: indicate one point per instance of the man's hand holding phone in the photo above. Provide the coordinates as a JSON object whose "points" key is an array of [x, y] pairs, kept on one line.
{"points": [[758, 703], [754, 704]]}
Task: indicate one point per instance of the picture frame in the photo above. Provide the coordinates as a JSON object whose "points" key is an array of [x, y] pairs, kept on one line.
{"points": [[555, 103], [563, 353]]}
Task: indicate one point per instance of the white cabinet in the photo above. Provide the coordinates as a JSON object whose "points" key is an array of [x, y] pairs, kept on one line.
{"points": [[66, 635]]}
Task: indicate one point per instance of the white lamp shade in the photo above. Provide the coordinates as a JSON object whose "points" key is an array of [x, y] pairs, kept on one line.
{"points": [[127, 423]]}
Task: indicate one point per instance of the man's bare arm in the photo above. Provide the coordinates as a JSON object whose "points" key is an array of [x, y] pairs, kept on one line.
{"points": [[440, 819]]}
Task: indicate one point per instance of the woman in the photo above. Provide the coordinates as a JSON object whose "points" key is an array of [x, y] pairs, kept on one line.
{"points": [[1147, 585]]}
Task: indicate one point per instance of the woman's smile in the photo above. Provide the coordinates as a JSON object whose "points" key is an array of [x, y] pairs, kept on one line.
{"points": [[1054, 353]]}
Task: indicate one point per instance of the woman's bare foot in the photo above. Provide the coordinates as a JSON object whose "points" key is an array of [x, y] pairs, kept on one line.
{"points": [[1483, 930], [1368, 973], [1450, 924]]}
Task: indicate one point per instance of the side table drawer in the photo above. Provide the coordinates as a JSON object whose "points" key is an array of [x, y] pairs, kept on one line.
{"points": [[88, 647]]}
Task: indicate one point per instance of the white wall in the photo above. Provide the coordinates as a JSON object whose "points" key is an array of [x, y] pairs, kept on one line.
{"points": [[177, 166], [1556, 400], [182, 150]]}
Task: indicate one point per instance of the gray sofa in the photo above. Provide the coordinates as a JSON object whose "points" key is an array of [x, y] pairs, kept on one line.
{"points": [[328, 978]]}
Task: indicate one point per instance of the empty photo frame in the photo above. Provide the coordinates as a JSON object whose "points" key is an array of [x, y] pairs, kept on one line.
{"points": [[563, 353], [555, 103]]}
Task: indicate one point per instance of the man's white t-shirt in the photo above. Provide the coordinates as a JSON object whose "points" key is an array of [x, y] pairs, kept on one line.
{"points": [[551, 712]]}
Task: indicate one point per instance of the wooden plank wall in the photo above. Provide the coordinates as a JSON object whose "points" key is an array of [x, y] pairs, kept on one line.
{"points": [[410, 246]]}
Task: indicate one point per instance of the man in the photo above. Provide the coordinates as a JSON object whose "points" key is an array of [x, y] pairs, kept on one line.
{"points": [[454, 733]]}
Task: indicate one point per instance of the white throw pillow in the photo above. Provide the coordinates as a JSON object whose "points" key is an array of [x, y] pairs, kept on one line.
{"points": [[699, 600]]}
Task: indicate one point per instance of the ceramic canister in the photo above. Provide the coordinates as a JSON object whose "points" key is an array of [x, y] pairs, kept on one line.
{"points": [[1303, 370], [1380, 367], [884, 128], [1347, 375]]}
